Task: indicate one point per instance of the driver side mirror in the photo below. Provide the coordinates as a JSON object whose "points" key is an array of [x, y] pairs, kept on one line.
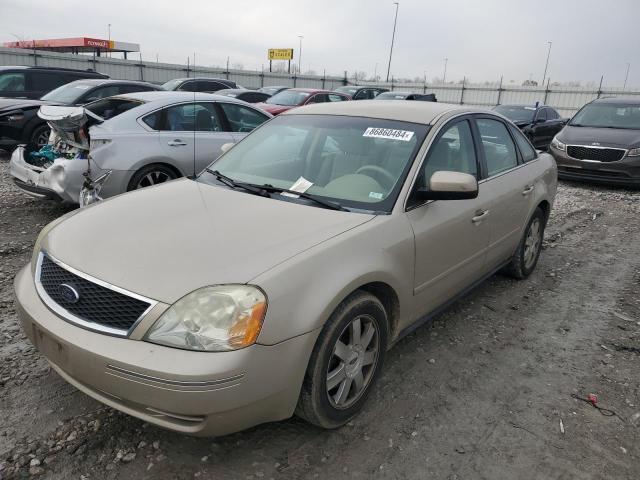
{"points": [[445, 185], [226, 147]]}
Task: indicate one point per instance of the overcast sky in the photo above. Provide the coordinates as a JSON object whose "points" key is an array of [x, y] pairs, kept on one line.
{"points": [[482, 39]]}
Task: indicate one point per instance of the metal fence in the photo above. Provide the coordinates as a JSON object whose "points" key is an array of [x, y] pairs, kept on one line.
{"points": [[565, 99]]}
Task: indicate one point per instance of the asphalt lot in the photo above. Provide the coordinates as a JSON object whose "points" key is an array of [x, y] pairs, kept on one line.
{"points": [[480, 393]]}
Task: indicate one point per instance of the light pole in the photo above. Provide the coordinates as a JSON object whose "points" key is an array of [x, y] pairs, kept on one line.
{"points": [[375, 73], [300, 55], [546, 64], [393, 36], [444, 77], [626, 77], [109, 37]]}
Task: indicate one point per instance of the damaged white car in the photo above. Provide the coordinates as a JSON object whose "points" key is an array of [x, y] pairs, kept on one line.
{"points": [[127, 142]]}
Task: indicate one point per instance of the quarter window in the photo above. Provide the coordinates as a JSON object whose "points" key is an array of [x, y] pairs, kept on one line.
{"points": [[527, 151], [542, 115], [453, 151], [153, 120], [241, 118], [499, 150]]}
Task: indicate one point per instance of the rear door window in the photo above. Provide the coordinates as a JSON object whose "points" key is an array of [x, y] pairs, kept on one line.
{"points": [[499, 149], [45, 81], [331, 97], [542, 115], [208, 86], [110, 107], [189, 117]]}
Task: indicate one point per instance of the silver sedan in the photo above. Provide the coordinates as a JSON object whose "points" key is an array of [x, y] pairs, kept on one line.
{"points": [[142, 139]]}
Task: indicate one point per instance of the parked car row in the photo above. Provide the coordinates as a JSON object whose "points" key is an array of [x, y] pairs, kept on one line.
{"points": [[274, 280]]}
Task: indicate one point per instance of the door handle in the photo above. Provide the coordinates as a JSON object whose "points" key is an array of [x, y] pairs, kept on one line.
{"points": [[527, 190], [176, 143], [480, 215]]}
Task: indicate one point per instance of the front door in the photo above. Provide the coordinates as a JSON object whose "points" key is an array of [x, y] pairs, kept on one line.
{"points": [[451, 236]]}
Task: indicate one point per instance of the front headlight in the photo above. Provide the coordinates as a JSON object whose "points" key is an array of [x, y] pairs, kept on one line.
{"points": [[212, 319], [557, 144], [634, 152]]}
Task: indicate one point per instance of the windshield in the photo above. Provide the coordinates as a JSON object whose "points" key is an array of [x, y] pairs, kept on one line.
{"points": [[171, 84], [611, 115], [516, 113], [356, 162], [68, 93], [347, 90], [271, 90], [288, 98]]}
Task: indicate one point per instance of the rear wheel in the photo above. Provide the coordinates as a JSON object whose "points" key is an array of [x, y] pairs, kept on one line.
{"points": [[525, 259], [345, 362], [151, 175]]}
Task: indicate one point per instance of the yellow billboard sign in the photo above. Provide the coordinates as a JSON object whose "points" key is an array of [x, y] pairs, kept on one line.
{"points": [[281, 54]]}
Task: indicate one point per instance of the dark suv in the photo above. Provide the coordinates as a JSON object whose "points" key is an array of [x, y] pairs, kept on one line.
{"points": [[33, 82], [19, 121], [361, 93], [601, 143]]}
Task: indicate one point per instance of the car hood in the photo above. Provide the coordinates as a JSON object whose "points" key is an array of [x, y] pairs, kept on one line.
{"points": [[272, 108], [614, 137], [166, 241], [15, 103]]}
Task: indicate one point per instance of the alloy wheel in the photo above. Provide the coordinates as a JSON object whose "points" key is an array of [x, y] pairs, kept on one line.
{"points": [[532, 243], [153, 178], [42, 138], [353, 362]]}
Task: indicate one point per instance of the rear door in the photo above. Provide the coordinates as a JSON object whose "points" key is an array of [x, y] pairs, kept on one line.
{"points": [[40, 83], [451, 236], [508, 180]]}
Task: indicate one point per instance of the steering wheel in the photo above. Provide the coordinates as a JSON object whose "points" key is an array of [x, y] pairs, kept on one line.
{"points": [[389, 180]]}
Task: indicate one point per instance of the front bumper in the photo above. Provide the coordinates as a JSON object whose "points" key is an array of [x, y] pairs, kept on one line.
{"points": [[198, 393], [625, 172]]}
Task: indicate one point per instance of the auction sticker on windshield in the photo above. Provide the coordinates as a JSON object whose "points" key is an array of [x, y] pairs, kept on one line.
{"points": [[388, 133]]}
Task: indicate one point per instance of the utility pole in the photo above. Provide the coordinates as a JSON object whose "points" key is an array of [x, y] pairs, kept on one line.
{"points": [[300, 55], [109, 37], [626, 77], [546, 64], [444, 77], [393, 36]]}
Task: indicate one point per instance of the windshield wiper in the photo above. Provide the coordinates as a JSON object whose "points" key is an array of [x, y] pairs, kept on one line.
{"points": [[308, 196], [231, 183]]}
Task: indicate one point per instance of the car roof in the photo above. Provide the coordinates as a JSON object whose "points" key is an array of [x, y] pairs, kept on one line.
{"points": [[176, 96], [310, 90], [522, 105], [618, 100], [235, 90], [53, 69], [107, 81], [416, 112], [223, 80]]}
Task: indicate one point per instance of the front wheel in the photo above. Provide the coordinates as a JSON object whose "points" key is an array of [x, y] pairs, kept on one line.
{"points": [[40, 136], [345, 362], [525, 259]]}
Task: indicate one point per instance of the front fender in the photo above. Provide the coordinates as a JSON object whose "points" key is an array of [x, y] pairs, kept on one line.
{"points": [[303, 291]]}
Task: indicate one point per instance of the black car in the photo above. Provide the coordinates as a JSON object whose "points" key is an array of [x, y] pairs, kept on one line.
{"points": [[272, 90], [539, 123], [601, 143], [205, 85], [428, 97], [361, 93], [33, 82], [249, 96], [19, 121]]}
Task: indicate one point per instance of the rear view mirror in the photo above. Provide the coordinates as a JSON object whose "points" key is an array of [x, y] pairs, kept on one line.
{"points": [[444, 185], [226, 147]]}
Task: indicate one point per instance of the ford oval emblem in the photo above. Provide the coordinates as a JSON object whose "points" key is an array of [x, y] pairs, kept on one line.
{"points": [[69, 293]]}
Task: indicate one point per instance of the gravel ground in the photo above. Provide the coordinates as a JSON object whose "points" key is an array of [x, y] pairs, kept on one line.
{"points": [[483, 392]]}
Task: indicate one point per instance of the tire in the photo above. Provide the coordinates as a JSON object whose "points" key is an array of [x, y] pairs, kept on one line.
{"points": [[327, 405], [40, 136], [525, 259], [151, 175]]}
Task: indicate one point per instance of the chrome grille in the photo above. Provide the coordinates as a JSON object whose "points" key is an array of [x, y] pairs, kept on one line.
{"points": [[95, 306], [581, 152]]}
